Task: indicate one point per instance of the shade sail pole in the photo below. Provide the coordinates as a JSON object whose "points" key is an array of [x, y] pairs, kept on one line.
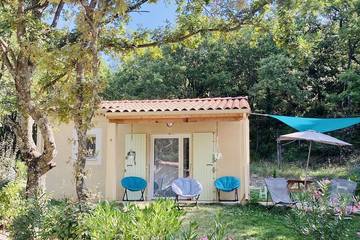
{"points": [[278, 146], [307, 163]]}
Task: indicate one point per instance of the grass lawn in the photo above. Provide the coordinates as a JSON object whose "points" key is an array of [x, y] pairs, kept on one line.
{"points": [[289, 170], [250, 222]]}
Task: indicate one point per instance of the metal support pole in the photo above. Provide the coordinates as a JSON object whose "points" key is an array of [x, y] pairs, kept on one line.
{"points": [[278, 148], [307, 163]]}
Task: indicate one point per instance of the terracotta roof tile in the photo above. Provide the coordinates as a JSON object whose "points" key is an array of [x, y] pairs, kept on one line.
{"points": [[192, 104]]}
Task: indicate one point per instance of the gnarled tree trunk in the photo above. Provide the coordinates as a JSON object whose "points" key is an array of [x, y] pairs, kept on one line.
{"points": [[38, 162], [87, 102], [81, 126], [21, 66]]}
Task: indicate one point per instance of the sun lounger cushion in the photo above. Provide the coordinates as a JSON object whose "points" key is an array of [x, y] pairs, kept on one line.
{"points": [[342, 188], [278, 190]]}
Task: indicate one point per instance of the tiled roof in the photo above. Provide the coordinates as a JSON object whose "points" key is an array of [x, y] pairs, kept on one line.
{"points": [[169, 105]]}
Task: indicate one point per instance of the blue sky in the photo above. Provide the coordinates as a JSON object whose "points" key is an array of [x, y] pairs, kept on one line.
{"points": [[157, 16]]}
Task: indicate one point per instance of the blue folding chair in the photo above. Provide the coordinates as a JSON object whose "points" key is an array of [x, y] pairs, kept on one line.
{"points": [[227, 184], [133, 184]]}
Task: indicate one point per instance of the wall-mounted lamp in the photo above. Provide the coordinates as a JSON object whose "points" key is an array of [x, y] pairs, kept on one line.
{"points": [[169, 124]]}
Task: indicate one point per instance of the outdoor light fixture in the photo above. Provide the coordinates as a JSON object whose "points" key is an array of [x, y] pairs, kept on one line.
{"points": [[169, 124]]}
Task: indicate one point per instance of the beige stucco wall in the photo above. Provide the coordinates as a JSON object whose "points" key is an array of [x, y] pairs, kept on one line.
{"points": [[104, 178], [60, 180]]}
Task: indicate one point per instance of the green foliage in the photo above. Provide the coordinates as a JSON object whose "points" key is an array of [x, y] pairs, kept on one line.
{"points": [[7, 160], [12, 196], [278, 89], [29, 222], [62, 220], [302, 59], [159, 220], [106, 222], [318, 218], [216, 232]]}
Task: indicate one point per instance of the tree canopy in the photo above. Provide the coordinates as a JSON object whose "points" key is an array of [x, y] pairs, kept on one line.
{"points": [[301, 59]]}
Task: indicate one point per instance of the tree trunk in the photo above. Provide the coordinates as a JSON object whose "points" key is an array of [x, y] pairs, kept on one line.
{"points": [[38, 162], [21, 67], [80, 173], [81, 131], [86, 102]]}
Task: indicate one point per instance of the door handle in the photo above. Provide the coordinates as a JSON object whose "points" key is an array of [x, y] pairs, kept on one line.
{"points": [[209, 164]]}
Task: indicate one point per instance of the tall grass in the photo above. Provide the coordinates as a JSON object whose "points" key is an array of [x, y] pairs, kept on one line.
{"points": [[297, 170]]}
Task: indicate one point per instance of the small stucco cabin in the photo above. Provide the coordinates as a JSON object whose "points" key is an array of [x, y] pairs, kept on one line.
{"points": [[203, 138]]}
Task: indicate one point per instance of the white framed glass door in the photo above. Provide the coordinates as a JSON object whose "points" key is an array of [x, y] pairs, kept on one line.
{"points": [[170, 159]]}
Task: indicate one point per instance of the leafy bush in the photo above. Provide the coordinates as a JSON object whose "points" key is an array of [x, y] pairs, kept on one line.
{"points": [[159, 220], [62, 220], [42, 218], [318, 218], [106, 221], [11, 196], [28, 224], [7, 160]]}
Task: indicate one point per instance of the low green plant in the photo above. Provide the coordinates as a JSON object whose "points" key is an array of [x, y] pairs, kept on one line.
{"points": [[159, 220], [62, 219], [191, 232], [29, 223], [106, 221], [317, 218], [219, 230], [12, 197], [7, 160]]}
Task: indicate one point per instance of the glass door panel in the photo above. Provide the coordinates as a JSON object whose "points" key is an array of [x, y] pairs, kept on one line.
{"points": [[166, 165]]}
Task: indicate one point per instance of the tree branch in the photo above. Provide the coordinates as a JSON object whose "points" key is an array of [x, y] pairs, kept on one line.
{"points": [[241, 21], [130, 8], [136, 5], [38, 5], [53, 81], [57, 13], [4, 49]]}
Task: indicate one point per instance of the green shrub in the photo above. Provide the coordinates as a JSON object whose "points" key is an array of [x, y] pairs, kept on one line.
{"points": [[42, 218], [62, 220], [159, 220], [11, 196], [7, 160], [106, 222], [29, 223], [316, 218], [156, 221]]}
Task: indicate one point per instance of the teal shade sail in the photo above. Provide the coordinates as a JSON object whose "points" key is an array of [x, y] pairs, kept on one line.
{"points": [[317, 124]]}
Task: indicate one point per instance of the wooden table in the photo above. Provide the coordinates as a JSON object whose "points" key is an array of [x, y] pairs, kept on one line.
{"points": [[299, 185]]}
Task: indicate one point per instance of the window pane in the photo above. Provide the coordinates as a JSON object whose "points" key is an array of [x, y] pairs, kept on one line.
{"points": [[186, 154], [90, 147]]}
